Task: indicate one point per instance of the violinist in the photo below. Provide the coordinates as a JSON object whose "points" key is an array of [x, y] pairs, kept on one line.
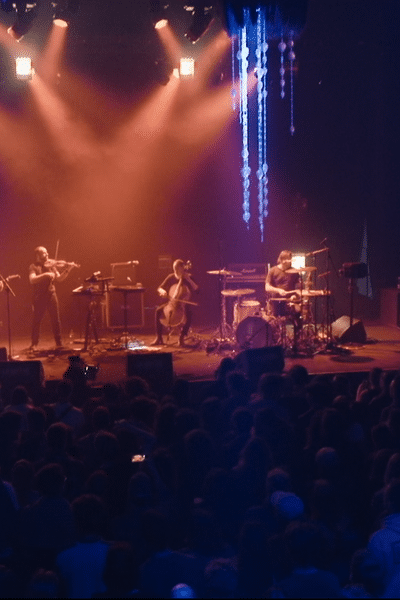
{"points": [[43, 273], [177, 288]]}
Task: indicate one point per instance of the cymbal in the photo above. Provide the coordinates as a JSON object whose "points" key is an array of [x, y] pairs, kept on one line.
{"points": [[240, 292], [225, 273], [301, 270]]}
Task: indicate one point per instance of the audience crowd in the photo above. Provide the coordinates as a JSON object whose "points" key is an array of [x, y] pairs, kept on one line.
{"points": [[289, 488]]}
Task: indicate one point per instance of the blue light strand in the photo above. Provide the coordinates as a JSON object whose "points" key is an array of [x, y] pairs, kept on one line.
{"points": [[265, 115], [233, 92], [262, 70], [292, 57], [243, 68], [282, 48]]}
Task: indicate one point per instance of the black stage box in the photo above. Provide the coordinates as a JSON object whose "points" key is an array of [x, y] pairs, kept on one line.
{"points": [[155, 367], [28, 373], [256, 361]]}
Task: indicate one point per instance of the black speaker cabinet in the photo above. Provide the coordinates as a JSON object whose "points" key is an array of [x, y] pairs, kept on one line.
{"points": [[354, 270], [3, 354], [390, 306], [342, 331], [28, 373], [115, 309], [256, 361], [155, 367]]}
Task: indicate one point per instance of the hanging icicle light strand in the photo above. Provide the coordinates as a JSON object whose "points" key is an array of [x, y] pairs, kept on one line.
{"points": [[233, 92], [261, 62], [252, 37], [265, 114], [282, 48], [243, 70], [292, 57]]}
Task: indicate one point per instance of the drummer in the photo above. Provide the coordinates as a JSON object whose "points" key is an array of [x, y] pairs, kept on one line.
{"points": [[281, 280]]}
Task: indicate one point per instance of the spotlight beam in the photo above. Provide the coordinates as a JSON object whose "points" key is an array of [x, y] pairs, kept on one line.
{"points": [[171, 44]]}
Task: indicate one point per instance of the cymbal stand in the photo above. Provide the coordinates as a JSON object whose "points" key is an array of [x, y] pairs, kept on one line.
{"points": [[330, 346], [91, 316], [293, 352], [91, 323], [8, 290], [224, 341]]}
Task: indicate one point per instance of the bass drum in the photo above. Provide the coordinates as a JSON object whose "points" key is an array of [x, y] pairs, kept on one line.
{"points": [[255, 332], [245, 308]]}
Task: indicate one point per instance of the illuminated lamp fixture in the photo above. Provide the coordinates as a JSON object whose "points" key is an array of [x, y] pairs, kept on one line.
{"points": [[26, 13], [186, 67], [202, 18], [23, 68], [161, 23], [63, 11], [60, 23], [298, 261]]}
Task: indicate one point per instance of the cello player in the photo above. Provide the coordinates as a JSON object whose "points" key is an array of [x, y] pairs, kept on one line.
{"points": [[180, 280]]}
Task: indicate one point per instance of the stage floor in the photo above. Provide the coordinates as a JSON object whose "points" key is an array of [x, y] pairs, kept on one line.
{"points": [[200, 360]]}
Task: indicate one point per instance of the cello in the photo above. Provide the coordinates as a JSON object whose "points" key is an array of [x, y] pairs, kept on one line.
{"points": [[174, 309]]}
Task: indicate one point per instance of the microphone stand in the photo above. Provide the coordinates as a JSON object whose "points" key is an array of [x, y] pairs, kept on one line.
{"points": [[331, 346], [8, 290]]}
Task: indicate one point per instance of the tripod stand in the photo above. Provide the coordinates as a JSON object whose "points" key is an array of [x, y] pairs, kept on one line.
{"points": [[9, 291], [225, 340]]}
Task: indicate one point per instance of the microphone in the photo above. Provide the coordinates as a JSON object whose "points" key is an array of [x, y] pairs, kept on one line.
{"points": [[93, 277], [323, 241], [317, 251], [11, 277], [125, 264]]}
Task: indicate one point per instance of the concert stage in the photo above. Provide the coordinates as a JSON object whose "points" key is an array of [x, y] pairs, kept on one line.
{"points": [[199, 361]]}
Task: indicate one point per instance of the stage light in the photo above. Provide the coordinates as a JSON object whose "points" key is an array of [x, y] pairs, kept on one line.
{"points": [[161, 23], [158, 13], [23, 67], [298, 261], [64, 11], [202, 18], [60, 23], [26, 13], [187, 67]]}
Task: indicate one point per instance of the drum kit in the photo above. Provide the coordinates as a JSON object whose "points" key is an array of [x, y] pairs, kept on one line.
{"points": [[288, 320]]}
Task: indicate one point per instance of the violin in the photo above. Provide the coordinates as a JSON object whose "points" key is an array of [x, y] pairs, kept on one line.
{"points": [[60, 264]]}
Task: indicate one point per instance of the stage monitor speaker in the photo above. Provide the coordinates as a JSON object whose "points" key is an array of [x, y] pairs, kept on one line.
{"points": [[256, 361], [155, 367], [342, 331], [28, 373]]}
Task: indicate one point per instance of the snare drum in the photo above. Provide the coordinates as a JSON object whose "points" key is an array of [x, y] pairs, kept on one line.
{"points": [[255, 332], [244, 309]]}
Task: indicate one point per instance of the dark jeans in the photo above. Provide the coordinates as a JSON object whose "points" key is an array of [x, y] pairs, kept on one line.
{"points": [[40, 305]]}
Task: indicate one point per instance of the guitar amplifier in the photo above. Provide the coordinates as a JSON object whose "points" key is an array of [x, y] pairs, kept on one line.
{"points": [[249, 273]]}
